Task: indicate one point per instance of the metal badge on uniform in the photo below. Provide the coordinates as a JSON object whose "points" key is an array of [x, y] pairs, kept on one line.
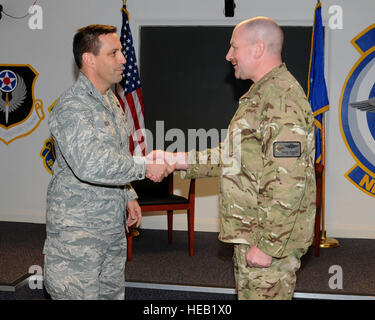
{"points": [[287, 149]]}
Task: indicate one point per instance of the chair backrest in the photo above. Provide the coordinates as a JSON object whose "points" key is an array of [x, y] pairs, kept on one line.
{"points": [[147, 187]]}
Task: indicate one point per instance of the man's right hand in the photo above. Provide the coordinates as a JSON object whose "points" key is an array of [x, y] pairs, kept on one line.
{"points": [[157, 171], [178, 159]]}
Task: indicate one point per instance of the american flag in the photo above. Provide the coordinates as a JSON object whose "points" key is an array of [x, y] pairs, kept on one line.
{"points": [[129, 92]]}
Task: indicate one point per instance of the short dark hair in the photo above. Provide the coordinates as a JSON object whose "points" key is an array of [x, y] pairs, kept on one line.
{"points": [[87, 40]]}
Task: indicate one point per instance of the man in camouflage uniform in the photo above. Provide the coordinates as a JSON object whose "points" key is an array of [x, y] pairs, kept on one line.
{"points": [[90, 191], [266, 165]]}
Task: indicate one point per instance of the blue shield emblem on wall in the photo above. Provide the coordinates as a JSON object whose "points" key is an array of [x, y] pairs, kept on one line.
{"points": [[357, 117]]}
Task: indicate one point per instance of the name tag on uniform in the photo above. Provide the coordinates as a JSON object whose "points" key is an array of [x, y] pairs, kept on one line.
{"points": [[287, 149]]}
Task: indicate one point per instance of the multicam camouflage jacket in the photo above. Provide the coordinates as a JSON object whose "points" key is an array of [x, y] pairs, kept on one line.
{"points": [[90, 183], [267, 186]]}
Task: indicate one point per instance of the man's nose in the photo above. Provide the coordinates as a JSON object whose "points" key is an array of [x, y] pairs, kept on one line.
{"points": [[122, 58], [228, 57]]}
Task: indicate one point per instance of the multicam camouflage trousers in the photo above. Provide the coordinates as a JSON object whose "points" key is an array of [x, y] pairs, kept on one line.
{"points": [[84, 265], [276, 282]]}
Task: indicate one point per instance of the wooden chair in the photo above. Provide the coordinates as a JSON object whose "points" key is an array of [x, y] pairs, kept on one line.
{"points": [[319, 181], [160, 197]]}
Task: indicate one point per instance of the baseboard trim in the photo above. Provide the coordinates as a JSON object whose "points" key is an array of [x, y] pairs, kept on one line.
{"points": [[12, 287], [175, 287], [218, 290], [232, 291]]}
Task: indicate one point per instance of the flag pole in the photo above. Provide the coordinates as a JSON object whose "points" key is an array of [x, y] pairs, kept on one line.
{"points": [[324, 241]]}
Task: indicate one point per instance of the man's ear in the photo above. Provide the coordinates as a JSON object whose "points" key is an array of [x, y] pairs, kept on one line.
{"points": [[259, 49], [88, 59]]}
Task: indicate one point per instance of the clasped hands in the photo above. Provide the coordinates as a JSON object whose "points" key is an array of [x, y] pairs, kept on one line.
{"points": [[159, 164]]}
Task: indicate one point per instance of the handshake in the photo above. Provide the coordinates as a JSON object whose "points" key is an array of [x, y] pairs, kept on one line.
{"points": [[159, 164]]}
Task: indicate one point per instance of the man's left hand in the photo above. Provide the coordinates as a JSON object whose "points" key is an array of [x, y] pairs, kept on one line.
{"points": [[134, 213], [257, 258]]}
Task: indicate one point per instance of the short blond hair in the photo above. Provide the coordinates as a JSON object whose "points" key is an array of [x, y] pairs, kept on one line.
{"points": [[266, 30]]}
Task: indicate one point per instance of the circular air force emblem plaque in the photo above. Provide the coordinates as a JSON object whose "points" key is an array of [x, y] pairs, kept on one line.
{"points": [[357, 113]]}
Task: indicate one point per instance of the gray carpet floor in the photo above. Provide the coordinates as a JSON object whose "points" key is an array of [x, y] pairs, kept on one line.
{"points": [[156, 261]]}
